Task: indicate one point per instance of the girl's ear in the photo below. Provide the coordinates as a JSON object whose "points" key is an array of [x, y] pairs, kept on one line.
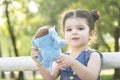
{"points": [[91, 34]]}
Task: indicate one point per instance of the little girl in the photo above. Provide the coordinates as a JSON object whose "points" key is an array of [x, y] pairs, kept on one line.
{"points": [[82, 62]]}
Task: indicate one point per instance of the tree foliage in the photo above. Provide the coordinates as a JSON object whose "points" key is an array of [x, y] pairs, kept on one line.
{"points": [[27, 15]]}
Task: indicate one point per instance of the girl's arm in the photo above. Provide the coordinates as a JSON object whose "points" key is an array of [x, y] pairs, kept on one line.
{"points": [[44, 72], [90, 72]]}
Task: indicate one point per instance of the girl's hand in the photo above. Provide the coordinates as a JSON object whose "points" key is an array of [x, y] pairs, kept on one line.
{"points": [[65, 60], [35, 52]]}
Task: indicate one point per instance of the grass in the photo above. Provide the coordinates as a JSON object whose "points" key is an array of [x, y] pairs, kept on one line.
{"points": [[105, 75]]}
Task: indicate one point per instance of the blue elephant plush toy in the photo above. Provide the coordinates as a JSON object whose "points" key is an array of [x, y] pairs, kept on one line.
{"points": [[49, 43]]}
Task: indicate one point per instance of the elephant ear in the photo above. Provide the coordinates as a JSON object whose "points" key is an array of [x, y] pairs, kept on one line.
{"points": [[52, 32], [58, 42]]}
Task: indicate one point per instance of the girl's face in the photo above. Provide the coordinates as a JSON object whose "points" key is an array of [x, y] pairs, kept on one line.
{"points": [[76, 32]]}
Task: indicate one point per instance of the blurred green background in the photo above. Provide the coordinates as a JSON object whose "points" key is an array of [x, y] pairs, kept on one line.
{"points": [[19, 20]]}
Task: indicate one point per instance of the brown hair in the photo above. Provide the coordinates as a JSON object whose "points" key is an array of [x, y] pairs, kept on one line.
{"points": [[91, 16]]}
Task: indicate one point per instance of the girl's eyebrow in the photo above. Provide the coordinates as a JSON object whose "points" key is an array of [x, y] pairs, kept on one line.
{"points": [[67, 27], [76, 26], [81, 25]]}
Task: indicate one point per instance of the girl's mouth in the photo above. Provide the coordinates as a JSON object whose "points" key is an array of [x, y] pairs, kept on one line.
{"points": [[75, 38]]}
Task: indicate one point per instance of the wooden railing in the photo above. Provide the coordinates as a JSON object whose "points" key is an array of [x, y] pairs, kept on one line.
{"points": [[110, 60]]}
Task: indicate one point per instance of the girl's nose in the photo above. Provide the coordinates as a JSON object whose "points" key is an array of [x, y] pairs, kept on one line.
{"points": [[74, 32]]}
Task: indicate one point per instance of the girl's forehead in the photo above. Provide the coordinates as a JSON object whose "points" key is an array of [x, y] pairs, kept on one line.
{"points": [[74, 21]]}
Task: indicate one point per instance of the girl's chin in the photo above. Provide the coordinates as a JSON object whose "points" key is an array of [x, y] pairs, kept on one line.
{"points": [[75, 45]]}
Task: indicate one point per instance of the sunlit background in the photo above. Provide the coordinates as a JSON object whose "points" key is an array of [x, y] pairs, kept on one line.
{"points": [[26, 16]]}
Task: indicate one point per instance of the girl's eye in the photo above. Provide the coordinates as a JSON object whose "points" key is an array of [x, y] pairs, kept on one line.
{"points": [[80, 28], [68, 29]]}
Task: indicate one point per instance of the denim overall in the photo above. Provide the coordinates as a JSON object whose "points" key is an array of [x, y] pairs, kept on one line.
{"points": [[67, 74]]}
